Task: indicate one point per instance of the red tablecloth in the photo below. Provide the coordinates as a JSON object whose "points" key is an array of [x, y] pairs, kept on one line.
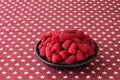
{"points": [[22, 23]]}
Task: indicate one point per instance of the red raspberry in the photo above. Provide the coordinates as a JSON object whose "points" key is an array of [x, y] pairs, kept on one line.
{"points": [[83, 47], [64, 36], [56, 47], [56, 58], [48, 52], [87, 38], [72, 49], [76, 40], [66, 44], [79, 56], [42, 51], [80, 34], [63, 54], [70, 59]]}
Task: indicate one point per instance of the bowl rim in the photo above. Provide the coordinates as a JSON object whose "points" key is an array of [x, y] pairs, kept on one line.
{"points": [[78, 64]]}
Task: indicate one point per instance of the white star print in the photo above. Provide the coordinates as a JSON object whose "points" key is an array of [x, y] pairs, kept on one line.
{"points": [[26, 72], [54, 77], [37, 72], [98, 68], [38, 64], [115, 72], [88, 77], [118, 60], [30, 77], [59, 72], [109, 68], [42, 77], [8, 77], [15, 72], [3, 72], [81, 72], [113, 64], [76, 77], [65, 77], [70, 72], [93, 72], [110, 77], [104, 72], [0, 68], [48, 72], [43, 68], [99, 77], [19, 77]]}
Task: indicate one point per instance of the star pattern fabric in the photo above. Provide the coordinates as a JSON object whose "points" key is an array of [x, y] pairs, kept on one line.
{"points": [[23, 21]]}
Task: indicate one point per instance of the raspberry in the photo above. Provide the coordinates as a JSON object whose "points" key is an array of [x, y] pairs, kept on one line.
{"points": [[63, 54], [79, 56], [44, 37], [84, 47], [56, 58], [64, 36], [80, 34], [87, 38], [72, 49], [91, 52], [66, 44], [42, 51], [76, 40], [48, 52], [56, 47], [70, 59]]}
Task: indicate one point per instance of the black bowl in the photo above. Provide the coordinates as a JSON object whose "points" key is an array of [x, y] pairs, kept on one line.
{"points": [[66, 66]]}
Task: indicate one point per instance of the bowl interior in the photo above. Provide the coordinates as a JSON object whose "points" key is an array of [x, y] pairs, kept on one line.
{"points": [[65, 66]]}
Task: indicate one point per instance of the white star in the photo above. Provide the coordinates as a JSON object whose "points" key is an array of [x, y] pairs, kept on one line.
{"points": [[81, 72], [104, 72], [48, 72], [21, 68], [0, 68], [43, 68], [99, 77], [19, 77], [38, 64], [115, 72], [113, 64], [59, 72], [70, 72], [42, 77], [88, 77], [103, 64], [26, 72], [27, 64], [53, 77], [111, 77], [17, 64], [6, 64], [109, 68], [8, 77], [87, 67], [107, 60], [93, 72], [98, 68], [15, 72], [30, 77], [4, 72], [118, 60], [32, 68], [76, 77], [65, 77], [37, 72]]}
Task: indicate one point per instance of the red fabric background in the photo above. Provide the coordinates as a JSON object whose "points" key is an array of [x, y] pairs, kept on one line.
{"points": [[22, 23]]}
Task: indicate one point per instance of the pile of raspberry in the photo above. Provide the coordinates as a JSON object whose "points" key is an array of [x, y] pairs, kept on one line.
{"points": [[66, 47]]}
